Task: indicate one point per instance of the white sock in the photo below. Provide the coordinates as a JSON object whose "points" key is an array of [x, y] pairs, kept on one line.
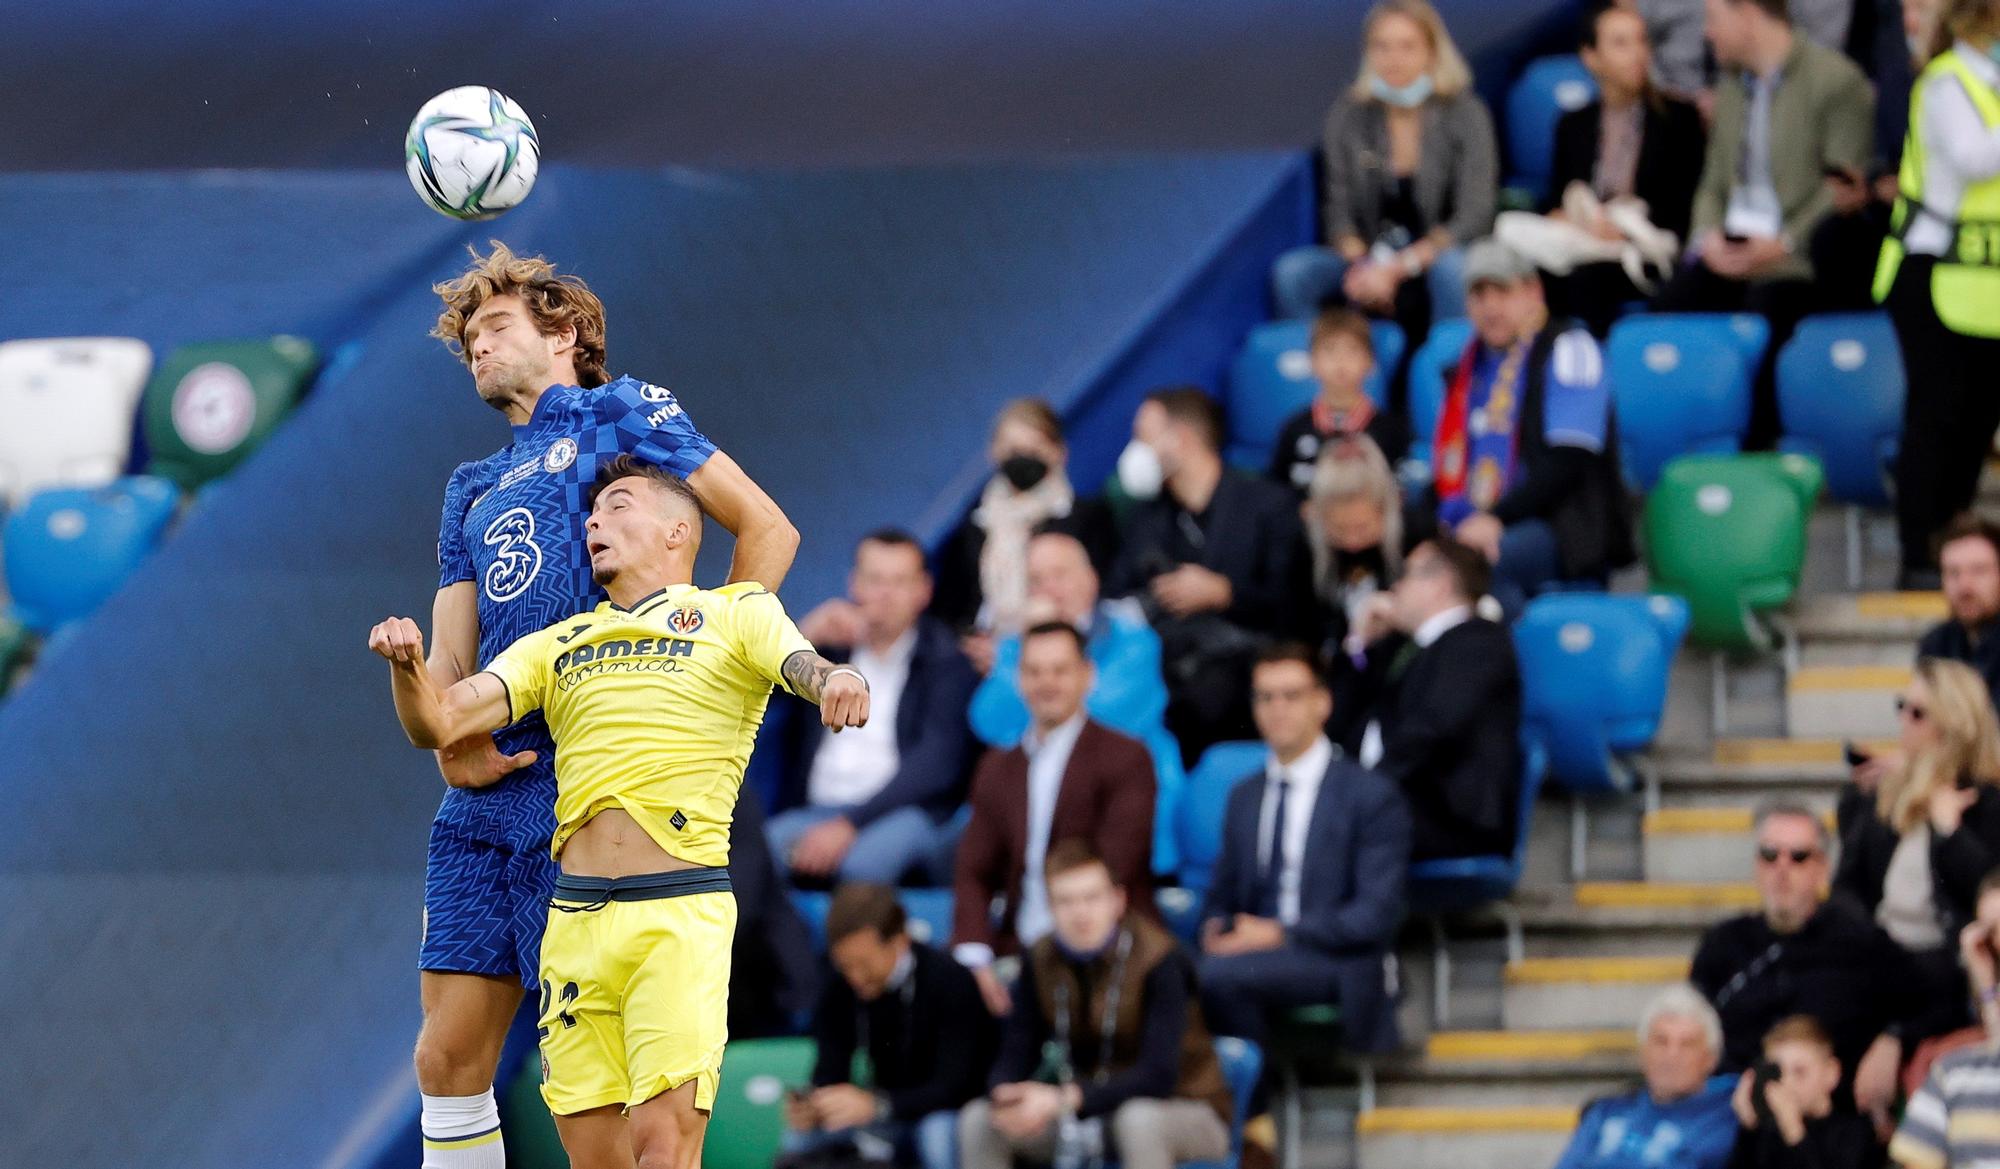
{"points": [[463, 1132]]}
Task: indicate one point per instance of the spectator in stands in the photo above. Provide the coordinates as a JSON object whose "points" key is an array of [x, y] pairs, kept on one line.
{"points": [[1785, 110], [1354, 534], [1070, 778], [1343, 355], [916, 1016], [1680, 50], [1795, 1123], [1308, 888], [1633, 142], [1802, 954], [1443, 694], [875, 795], [982, 581], [773, 965], [1526, 453], [1412, 174], [1914, 861], [1954, 1117], [1127, 693], [1210, 552], [1680, 1118], [1937, 284], [1142, 1080]]}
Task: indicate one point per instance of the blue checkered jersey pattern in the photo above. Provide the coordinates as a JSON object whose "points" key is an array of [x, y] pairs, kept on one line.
{"points": [[513, 525]]}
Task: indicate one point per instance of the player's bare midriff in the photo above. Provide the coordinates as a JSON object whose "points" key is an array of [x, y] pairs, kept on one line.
{"points": [[611, 844]]}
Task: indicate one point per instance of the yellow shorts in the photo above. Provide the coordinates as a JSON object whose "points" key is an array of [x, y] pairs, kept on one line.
{"points": [[635, 988]]}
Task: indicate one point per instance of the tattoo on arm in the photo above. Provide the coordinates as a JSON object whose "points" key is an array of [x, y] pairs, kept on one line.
{"points": [[805, 672]]}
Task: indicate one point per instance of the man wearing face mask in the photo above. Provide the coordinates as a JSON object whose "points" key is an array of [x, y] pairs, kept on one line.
{"points": [[1210, 553]]}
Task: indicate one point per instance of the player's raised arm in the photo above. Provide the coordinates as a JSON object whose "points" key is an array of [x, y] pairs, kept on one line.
{"points": [[840, 691], [765, 540], [430, 717]]}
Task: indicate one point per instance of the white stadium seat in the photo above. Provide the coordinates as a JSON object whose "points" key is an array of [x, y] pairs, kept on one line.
{"points": [[67, 405]]}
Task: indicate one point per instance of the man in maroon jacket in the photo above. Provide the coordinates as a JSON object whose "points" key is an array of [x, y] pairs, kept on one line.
{"points": [[1069, 778]]}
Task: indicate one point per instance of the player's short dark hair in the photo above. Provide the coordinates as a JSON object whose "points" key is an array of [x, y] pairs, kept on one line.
{"points": [[1281, 652], [1471, 574], [1968, 525], [632, 467], [1058, 628], [1072, 853], [864, 905], [1192, 407]]}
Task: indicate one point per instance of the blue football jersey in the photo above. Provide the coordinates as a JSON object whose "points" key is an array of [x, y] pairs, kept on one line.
{"points": [[513, 525]]}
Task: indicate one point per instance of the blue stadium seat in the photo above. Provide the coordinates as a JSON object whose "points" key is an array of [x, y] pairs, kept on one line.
{"points": [[1840, 393], [812, 905], [69, 548], [1594, 672], [1434, 363], [1272, 379], [1461, 884], [1547, 89], [1682, 386], [1203, 803], [929, 913]]}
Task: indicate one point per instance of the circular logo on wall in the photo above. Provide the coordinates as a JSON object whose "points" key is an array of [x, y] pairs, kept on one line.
{"points": [[214, 408], [561, 455]]}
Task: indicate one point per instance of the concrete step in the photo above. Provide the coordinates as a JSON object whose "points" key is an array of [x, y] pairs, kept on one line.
{"points": [[1461, 1138], [1688, 844], [1896, 617], [1508, 1069], [1834, 702], [1570, 993], [1611, 924]]}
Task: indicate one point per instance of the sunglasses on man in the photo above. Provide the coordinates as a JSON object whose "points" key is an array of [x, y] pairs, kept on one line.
{"points": [[1798, 856]]}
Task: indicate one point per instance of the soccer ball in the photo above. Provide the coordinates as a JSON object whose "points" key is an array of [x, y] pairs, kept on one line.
{"points": [[472, 152]]}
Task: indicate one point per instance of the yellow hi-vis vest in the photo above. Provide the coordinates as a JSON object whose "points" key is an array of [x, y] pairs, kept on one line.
{"points": [[1965, 284]]}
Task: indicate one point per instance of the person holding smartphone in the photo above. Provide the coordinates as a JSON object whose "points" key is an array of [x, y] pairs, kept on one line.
{"points": [[1785, 1106]]}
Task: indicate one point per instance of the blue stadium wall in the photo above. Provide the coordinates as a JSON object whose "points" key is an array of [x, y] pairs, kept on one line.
{"points": [[212, 868]]}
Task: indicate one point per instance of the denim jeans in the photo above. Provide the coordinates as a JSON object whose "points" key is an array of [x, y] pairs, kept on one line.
{"points": [[931, 1143], [883, 851]]}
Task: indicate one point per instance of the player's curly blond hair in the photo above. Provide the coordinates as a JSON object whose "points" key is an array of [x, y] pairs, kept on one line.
{"points": [[556, 303]]}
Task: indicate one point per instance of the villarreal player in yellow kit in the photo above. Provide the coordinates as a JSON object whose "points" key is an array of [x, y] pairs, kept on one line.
{"points": [[654, 699]]}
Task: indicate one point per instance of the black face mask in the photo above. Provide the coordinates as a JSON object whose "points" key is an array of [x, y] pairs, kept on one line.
{"points": [[1023, 471]]}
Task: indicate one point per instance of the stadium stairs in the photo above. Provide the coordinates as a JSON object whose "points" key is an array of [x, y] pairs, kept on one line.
{"points": [[213, 864], [1527, 1043]]}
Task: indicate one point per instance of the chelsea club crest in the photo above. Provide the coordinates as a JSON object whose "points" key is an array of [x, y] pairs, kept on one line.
{"points": [[560, 455]]}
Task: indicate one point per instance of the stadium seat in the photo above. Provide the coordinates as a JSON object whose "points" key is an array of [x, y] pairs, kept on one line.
{"points": [[69, 548], [1434, 362], [929, 914], [211, 404], [15, 644], [1594, 672], [1242, 1065], [1272, 379], [812, 906], [1203, 804], [748, 1120], [1461, 884], [1728, 534], [1681, 382], [1840, 394], [68, 406], [1546, 90]]}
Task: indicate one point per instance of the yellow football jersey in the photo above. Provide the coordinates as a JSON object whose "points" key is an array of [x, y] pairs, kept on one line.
{"points": [[654, 709]]}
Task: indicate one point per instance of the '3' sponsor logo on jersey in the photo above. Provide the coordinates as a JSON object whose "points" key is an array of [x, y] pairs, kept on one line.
{"points": [[516, 556]]}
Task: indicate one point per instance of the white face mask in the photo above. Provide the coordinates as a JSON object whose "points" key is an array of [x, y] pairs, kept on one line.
{"points": [[1139, 471]]}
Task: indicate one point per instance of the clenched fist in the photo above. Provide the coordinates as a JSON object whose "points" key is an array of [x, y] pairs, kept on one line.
{"points": [[844, 701], [399, 640]]}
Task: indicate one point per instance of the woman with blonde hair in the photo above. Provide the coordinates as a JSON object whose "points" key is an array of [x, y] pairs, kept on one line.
{"points": [[1354, 528], [1915, 864], [1412, 175]]}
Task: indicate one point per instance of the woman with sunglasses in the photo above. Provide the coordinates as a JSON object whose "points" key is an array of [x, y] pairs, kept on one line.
{"points": [[1916, 861]]}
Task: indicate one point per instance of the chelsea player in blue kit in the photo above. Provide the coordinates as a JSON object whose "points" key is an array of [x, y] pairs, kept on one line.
{"points": [[511, 560]]}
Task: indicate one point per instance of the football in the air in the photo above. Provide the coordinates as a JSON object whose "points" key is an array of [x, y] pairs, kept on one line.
{"points": [[472, 152]]}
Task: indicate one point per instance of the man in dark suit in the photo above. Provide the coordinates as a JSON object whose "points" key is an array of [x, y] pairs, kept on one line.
{"points": [[868, 805], [1308, 890], [1445, 717], [1209, 552], [1070, 777]]}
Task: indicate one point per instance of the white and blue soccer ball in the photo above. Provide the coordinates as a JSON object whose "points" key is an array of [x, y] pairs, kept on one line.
{"points": [[472, 152]]}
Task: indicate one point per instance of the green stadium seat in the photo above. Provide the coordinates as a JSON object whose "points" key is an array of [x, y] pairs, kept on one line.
{"points": [[530, 1132], [16, 646], [1728, 534], [749, 1117], [210, 404]]}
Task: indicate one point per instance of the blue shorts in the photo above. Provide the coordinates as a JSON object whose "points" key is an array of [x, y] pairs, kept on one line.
{"points": [[485, 907]]}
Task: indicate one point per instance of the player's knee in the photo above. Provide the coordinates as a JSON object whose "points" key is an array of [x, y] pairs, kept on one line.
{"points": [[447, 1069], [671, 1149]]}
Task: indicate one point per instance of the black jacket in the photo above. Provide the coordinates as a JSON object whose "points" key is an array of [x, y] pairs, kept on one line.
{"points": [[1839, 968], [1958, 862], [959, 595], [1979, 648], [1251, 535], [1451, 722], [1843, 1140], [1670, 158], [1350, 886], [1300, 442], [929, 1042], [933, 735]]}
